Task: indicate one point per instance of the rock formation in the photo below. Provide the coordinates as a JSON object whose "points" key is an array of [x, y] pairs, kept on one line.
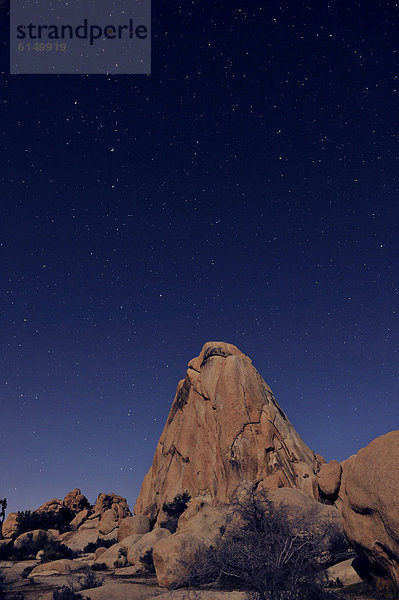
{"points": [[369, 495], [85, 524], [76, 501], [225, 426], [113, 502]]}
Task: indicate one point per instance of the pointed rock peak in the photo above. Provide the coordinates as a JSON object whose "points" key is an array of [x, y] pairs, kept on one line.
{"points": [[224, 427], [213, 349]]}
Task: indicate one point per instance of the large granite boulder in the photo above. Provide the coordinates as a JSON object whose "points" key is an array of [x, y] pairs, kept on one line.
{"points": [[343, 573], [133, 525], [80, 518], [329, 479], [225, 426], [32, 540], [57, 567], [369, 502], [109, 521]]}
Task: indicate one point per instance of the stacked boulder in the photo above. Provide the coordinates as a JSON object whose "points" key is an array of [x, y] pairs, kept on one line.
{"points": [[85, 524]]}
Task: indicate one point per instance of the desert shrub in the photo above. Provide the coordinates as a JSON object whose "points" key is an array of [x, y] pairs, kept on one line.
{"points": [[3, 506], [66, 593], [6, 552], [174, 510], [178, 505], [54, 550], [263, 550], [21, 554], [200, 565], [121, 561], [339, 549], [27, 571], [98, 567], [90, 580], [29, 521], [148, 561], [99, 543]]}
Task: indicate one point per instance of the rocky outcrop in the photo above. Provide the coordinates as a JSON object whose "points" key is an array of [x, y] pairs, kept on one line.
{"points": [[76, 501], [53, 506], [225, 426], [369, 495], [106, 502], [111, 509]]}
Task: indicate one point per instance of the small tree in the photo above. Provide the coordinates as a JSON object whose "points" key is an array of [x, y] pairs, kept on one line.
{"points": [[174, 510], [3, 506], [178, 505]]}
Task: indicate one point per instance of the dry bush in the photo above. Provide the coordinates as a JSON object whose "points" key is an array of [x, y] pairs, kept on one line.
{"points": [[148, 561], [66, 593], [265, 550], [90, 580]]}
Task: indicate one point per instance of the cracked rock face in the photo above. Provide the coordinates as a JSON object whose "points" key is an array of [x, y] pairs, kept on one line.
{"points": [[224, 427]]}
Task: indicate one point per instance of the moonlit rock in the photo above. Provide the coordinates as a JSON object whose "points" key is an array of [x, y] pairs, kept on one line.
{"points": [[224, 427], [369, 494]]}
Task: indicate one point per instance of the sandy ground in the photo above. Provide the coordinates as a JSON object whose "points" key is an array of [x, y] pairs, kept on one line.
{"points": [[122, 587]]}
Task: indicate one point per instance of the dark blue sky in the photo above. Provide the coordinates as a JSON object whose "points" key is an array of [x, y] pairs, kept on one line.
{"points": [[246, 191]]}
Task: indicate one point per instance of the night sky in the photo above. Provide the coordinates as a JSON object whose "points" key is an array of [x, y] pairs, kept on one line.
{"points": [[246, 191]]}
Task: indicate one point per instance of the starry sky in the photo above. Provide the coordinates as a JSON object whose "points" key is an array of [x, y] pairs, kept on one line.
{"points": [[246, 191]]}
